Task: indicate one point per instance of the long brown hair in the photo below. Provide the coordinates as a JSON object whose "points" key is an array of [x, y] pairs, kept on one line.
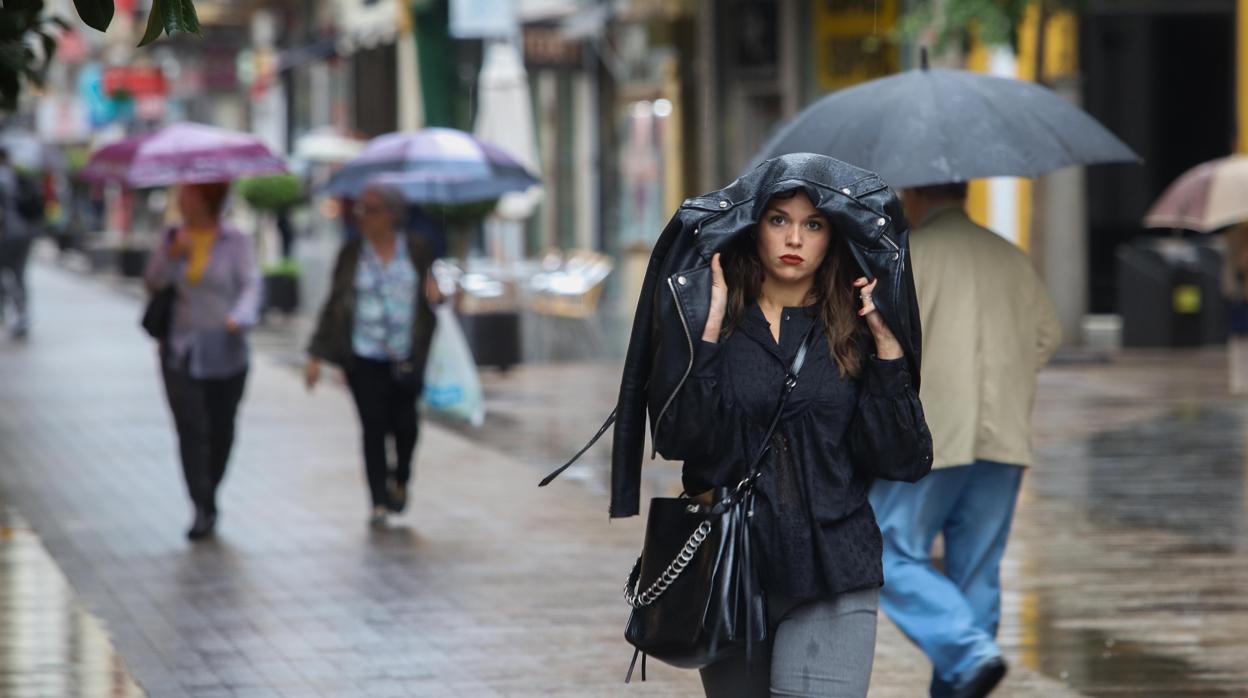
{"points": [[833, 292]]}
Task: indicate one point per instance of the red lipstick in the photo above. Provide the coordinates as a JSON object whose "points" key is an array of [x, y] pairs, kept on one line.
{"points": [[792, 259]]}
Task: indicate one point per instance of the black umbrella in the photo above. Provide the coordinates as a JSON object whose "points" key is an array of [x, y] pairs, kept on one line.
{"points": [[936, 126]]}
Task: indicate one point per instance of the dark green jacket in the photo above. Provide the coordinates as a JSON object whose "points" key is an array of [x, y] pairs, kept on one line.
{"points": [[332, 339]]}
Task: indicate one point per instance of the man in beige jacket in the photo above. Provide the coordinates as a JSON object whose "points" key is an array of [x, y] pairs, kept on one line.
{"points": [[988, 327]]}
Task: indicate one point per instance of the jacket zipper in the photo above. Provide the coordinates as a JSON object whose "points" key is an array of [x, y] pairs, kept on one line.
{"points": [[890, 242], [680, 311]]}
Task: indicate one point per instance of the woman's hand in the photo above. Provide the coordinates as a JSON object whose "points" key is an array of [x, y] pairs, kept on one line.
{"points": [[311, 373], [886, 344], [180, 245], [233, 326], [433, 293], [719, 302]]}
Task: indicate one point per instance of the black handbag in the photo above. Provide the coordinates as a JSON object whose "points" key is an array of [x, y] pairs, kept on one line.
{"points": [[694, 590], [158, 314], [157, 318]]}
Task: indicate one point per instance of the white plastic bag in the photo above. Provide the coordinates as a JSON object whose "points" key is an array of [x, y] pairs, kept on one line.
{"points": [[452, 386]]}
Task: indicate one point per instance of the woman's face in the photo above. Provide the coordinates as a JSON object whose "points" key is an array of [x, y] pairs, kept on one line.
{"points": [[191, 203], [374, 218], [793, 239]]}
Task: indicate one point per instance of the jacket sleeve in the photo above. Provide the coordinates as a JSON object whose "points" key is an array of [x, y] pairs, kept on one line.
{"points": [[629, 437], [701, 426], [246, 310], [889, 438], [321, 346]]}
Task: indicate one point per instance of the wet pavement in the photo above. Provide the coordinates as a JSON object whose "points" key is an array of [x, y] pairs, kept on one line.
{"points": [[50, 645], [1124, 577]]}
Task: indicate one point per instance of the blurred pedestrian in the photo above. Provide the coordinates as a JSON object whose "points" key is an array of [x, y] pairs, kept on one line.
{"points": [[18, 219], [286, 233], [712, 345], [205, 357], [377, 325], [988, 327]]}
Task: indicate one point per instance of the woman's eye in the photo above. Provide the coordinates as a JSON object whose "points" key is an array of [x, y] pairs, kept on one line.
{"points": [[814, 225], [776, 220]]}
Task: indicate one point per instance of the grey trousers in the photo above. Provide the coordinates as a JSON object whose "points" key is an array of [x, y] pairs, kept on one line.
{"points": [[816, 649]]}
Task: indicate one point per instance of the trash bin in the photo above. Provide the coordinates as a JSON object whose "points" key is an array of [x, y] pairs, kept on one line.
{"points": [[490, 316], [1169, 294]]}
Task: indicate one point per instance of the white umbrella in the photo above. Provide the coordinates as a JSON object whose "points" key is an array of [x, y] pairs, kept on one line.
{"points": [[327, 145], [505, 118]]}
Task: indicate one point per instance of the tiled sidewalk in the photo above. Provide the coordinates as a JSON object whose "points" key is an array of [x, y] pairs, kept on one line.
{"points": [[488, 586], [50, 645]]}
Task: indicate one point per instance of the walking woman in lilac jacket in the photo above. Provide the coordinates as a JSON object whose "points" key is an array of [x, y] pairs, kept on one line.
{"points": [[205, 357]]}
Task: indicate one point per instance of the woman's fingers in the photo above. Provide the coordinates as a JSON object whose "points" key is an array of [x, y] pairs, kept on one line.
{"points": [[865, 290], [433, 292], [718, 286]]}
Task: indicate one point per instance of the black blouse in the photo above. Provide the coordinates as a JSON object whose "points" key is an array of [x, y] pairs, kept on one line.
{"points": [[815, 530]]}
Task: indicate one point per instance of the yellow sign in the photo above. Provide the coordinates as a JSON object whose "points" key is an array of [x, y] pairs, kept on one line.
{"points": [[850, 39], [1187, 299]]}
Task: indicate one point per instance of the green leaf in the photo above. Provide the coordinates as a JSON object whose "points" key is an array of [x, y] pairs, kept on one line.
{"points": [[154, 24], [97, 14], [171, 17], [180, 17]]}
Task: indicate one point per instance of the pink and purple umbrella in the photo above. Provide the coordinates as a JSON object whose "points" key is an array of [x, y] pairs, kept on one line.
{"points": [[433, 165], [1209, 196], [182, 153]]}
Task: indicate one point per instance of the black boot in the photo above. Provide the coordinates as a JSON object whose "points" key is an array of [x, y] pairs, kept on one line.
{"points": [[396, 496], [204, 525]]}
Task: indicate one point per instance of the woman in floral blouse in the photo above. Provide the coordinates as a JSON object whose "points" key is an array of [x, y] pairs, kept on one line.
{"points": [[377, 325]]}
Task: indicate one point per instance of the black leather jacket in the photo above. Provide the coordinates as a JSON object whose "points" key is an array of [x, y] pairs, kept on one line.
{"points": [[675, 296]]}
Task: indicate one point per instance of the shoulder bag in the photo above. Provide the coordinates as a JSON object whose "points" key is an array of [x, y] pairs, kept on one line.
{"points": [[158, 313], [694, 590]]}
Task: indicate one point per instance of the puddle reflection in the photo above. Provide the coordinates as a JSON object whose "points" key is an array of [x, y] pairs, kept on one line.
{"points": [[50, 645]]}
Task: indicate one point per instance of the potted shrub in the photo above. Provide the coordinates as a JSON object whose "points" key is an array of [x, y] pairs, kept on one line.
{"points": [[275, 195], [271, 193], [281, 286]]}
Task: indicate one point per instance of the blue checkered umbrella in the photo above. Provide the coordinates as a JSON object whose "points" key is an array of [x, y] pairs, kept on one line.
{"points": [[433, 165]]}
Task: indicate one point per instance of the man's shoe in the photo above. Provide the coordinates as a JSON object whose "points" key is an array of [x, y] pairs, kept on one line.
{"points": [[986, 677], [204, 526]]}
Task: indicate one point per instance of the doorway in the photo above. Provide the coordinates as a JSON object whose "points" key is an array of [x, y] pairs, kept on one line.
{"points": [[1160, 74]]}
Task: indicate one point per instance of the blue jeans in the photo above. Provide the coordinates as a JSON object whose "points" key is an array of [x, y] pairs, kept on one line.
{"points": [[953, 616]]}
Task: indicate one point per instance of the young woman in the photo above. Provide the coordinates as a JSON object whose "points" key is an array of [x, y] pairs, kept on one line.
{"points": [[205, 357], [854, 416], [377, 325]]}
